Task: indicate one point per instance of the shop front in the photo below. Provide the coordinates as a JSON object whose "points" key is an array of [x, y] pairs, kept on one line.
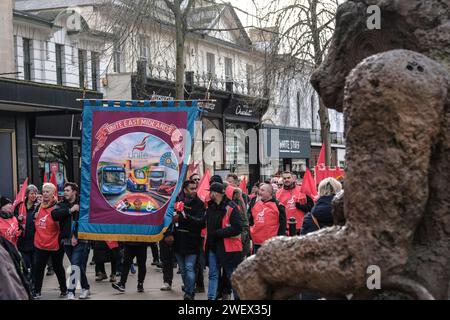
{"points": [[39, 131], [292, 154]]}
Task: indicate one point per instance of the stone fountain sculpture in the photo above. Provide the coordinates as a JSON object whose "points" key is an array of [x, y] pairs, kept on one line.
{"points": [[393, 85]]}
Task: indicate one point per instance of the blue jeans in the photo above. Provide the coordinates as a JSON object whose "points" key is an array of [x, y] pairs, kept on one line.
{"points": [[214, 268], [78, 256], [187, 266]]}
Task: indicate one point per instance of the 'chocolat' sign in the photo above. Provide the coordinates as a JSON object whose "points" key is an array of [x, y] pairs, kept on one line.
{"points": [[243, 110]]}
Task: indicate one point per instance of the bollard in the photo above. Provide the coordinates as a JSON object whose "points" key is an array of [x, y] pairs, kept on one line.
{"points": [[292, 226]]}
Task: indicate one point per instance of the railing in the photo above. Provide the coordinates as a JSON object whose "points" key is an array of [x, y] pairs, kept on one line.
{"points": [[336, 137], [164, 72]]}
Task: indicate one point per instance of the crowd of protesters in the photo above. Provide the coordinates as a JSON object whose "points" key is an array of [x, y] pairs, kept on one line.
{"points": [[217, 233]]}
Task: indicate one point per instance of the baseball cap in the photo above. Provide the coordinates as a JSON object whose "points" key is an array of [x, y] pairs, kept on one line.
{"points": [[217, 187]]}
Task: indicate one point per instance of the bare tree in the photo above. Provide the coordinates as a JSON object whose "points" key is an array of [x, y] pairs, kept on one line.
{"points": [[305, 28], [180, 9]]}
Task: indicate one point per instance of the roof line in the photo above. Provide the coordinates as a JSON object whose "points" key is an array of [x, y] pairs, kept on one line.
{"points": [[26, 15]]}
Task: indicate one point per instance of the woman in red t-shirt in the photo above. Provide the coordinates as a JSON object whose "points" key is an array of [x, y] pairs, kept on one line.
{"points": [[47, 242]]}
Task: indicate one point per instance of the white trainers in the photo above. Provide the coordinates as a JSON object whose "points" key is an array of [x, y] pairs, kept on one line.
{"points": [[71, 296], [85, 293], [166, 287]]}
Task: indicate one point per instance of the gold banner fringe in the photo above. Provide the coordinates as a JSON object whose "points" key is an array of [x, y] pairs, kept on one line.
{"points": [[121, 237]]}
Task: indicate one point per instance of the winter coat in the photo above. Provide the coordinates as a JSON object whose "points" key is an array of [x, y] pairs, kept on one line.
{"points": [[14, 283], [187, 234], [26, 241], [68, 222], [322, 212], [216, 234]]}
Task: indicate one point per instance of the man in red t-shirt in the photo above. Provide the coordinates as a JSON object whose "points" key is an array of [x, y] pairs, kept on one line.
{"points": [[47, 242], [297, 203], [267, 217]]}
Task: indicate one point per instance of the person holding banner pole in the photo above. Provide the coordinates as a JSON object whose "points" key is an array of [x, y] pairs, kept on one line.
{"points": [[167, 258], [188, 223], [133, 250], [67, 214]]}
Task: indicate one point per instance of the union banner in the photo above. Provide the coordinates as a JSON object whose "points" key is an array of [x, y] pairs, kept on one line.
{"points": [[134, 159]]}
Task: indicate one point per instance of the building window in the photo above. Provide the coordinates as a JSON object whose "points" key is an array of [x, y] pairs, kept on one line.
{"points": [[143, 49], [250, 75], [210, 65], [228, 69], [95, 64], [117, 57], [59, 49], [27, 59], [82, 66]]}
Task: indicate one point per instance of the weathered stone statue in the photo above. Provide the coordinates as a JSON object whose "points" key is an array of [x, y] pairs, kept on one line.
{"points": [[393, 85]]}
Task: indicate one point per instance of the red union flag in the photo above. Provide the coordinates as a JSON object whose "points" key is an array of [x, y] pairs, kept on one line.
{"points": [[308, 185], [203, 186]]}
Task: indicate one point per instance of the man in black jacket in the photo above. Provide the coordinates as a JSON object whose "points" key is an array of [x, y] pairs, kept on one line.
{"points": [[223, 243], [67, 214], [187, 234]]}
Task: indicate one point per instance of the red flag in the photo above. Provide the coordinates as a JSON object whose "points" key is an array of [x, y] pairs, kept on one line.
{"points": [[229, 190], [308, 185], [20, 197], [321, 159], [53, 177], [193, 168], [45, 178], [203, 185], [243, 185]]}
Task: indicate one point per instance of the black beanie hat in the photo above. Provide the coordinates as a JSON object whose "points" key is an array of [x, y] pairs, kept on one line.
{"points": [[4, 201], [215, 178]]}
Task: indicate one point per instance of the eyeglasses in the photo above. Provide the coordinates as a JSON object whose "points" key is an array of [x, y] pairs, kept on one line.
{"points": [[280, 184], [196, 179]]}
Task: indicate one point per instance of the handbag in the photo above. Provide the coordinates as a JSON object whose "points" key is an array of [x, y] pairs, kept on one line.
{"points": [[315, 221]]}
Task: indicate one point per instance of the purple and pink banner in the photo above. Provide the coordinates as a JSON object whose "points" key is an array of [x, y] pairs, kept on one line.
{"points": [[133, 161]]}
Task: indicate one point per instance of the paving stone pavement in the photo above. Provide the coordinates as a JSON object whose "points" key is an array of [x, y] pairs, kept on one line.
{"points": [[104, 291]]}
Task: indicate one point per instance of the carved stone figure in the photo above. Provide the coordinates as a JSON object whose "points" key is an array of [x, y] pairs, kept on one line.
{"points": [[393, 86]]}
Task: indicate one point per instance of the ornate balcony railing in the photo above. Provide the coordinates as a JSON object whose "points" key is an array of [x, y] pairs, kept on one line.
{"points": [[207, 80]]}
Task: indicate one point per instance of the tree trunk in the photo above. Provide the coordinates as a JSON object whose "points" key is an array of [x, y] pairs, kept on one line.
{"points": [[323, 111], [325, 131], [180, 38]]}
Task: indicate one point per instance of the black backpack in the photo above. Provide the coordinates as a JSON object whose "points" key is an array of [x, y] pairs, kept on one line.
{"points": [[21, 269]]}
